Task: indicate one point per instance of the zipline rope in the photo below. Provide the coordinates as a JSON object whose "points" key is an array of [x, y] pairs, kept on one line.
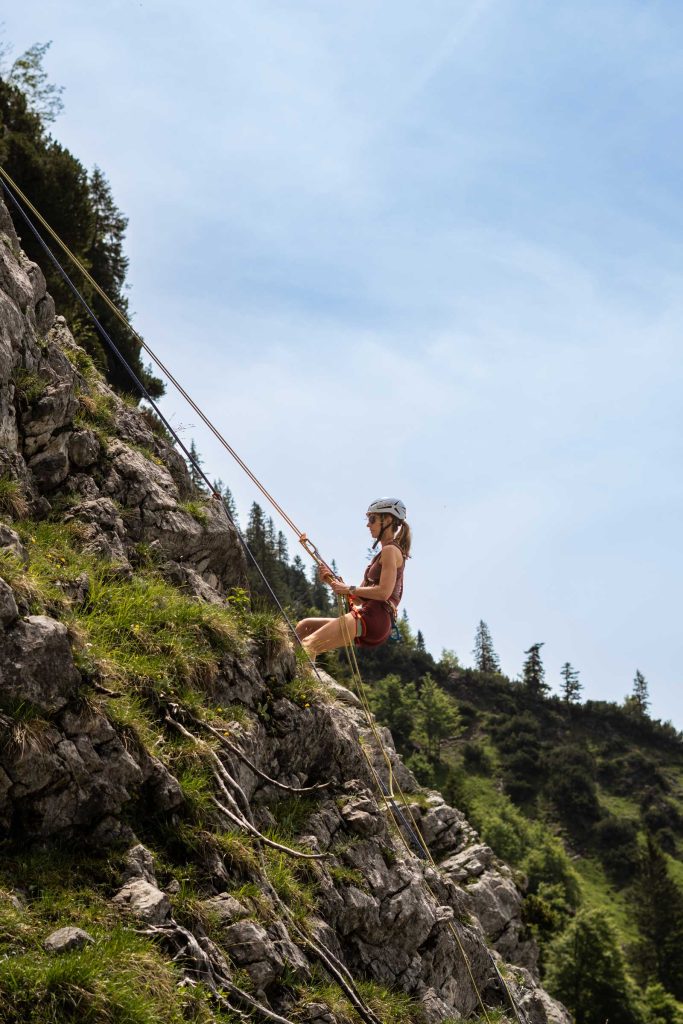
{"points": [[417, 840]]}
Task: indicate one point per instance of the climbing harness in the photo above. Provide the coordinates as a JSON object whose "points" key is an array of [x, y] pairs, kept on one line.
{"points": [[405, 824]]}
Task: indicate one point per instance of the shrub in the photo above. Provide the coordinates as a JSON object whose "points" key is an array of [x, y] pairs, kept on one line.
{"points": [[547, 862], [571, 786], [476, 758], [505, 838], [586, 972], [617, 843]]}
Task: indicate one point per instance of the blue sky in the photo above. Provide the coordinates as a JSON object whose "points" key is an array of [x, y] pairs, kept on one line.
{"points": [[428, 250]]}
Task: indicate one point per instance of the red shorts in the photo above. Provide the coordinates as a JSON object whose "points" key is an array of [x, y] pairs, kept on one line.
{"points": [[374, 622]]}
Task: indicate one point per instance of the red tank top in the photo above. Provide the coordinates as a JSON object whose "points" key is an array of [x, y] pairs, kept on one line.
{"points": [[374, 571]]}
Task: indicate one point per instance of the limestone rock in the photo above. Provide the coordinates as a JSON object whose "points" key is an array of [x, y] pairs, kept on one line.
{"points": [[8, 606], [84, 448], [10, 540], [144, 901], [225, 908], [66, 939], [36, 664], [50, 467], [469, 863], [316, 1013], [249, 946], [139, 863]]}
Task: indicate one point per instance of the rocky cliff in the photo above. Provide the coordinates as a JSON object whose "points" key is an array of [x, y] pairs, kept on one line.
{"points": [[174, 769]]}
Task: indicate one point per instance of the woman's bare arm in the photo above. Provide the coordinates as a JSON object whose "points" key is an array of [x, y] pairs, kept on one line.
{"points": [[390, 561]]}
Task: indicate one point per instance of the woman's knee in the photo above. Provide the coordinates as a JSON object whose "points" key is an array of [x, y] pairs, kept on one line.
{"points": [[305, 627]]}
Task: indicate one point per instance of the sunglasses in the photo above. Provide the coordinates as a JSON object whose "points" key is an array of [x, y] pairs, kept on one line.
{"points": [[372, 519]]}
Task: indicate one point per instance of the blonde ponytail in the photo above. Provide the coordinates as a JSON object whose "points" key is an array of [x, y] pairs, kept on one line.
{"points": [[403, 536]]}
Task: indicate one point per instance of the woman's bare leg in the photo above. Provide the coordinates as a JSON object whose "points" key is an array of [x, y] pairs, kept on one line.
{"points": [[334, 633], [308, 626]]}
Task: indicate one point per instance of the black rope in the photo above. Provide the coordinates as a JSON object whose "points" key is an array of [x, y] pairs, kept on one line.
{"points": [[414, 841], [139, 384]]}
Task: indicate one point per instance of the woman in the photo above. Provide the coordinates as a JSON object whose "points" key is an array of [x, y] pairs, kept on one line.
{"points": [[375, 601]]}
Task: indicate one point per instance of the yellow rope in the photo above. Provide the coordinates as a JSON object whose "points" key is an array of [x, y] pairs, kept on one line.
{"points": [[349, 647], [362, 694], [309, 547]]}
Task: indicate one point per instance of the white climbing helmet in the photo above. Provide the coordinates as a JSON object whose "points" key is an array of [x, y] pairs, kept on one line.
{"points": [[388, 506]]}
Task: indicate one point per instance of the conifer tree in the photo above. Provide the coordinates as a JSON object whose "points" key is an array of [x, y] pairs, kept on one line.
{"points": [[437, 716], [79, 207], [282, 550], [586, 972], [449, 660], [395, 703], [640, 697], [534, 672], [485, 658], [658, 909], [321, 602], [256, 534], [403, 623], [420, 642], [29, 76], [571, 687], [194, 465], [229, 500], [299, 587]]}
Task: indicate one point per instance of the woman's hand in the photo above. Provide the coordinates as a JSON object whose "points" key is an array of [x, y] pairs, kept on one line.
{"points": [[338, 586]]}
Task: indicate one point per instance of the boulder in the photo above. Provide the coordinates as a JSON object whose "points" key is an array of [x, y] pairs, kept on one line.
{"points": [[36, 663], [64, 940], [144, 901], [8, 606]]}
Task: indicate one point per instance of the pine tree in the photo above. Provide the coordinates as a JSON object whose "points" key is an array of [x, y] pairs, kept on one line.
{"points": [[586, 972], [395, 704], [282, 550], [403, 624], [571, 687], [79, 207], [29, 76], [437, 717], [256, 534], [658, 909], [322, 603], [194, 466], [534, 672], [226, 494], [640, 695], [449, 660], [485, 658], [420, 642]]}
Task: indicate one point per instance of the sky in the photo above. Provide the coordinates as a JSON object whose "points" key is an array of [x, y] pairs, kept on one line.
{"points": [[430, 251]]}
